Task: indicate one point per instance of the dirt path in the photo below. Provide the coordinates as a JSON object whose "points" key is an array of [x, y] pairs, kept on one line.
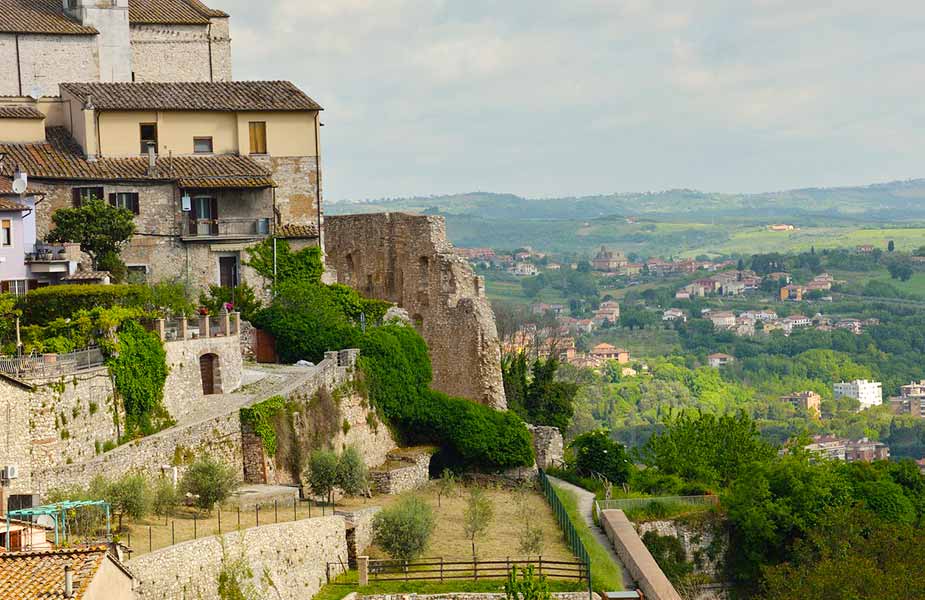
{"points": [[586, 508]]}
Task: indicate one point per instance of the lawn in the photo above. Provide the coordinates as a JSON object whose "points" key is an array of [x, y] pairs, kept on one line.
{"points": [[347, 583], [605, 573], [449, 540], [759, 239]]}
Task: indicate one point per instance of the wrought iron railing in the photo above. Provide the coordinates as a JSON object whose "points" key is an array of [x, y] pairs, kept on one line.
{"points": [[226, 227], [39, 366]]}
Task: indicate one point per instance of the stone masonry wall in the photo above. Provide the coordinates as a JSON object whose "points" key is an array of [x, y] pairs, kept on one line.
{"points": [[71, 418], [298, 187], [547, 445], [408, 260], [364, 432], [183, 388], [45, 61], [294, 554], [218, 437], [180, 53], [704, 538], [15, 444], [399, 479]]}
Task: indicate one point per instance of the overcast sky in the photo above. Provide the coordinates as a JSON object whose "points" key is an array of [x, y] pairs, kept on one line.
{"points": [[575, 97]]}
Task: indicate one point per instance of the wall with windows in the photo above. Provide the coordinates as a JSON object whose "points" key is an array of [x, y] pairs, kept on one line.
{"points": [[287, 133], [12, 247]]}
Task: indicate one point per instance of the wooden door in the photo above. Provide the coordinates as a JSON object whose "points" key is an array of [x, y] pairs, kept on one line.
{"points": [[207, 372], [228, 271]]}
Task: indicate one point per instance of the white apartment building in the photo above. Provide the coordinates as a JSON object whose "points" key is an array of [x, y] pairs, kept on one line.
{"points": [[868, 393]]}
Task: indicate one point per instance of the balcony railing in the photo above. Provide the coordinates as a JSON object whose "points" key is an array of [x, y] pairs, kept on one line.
{"points": [[40, 366], [46, 253], [226, 228]]}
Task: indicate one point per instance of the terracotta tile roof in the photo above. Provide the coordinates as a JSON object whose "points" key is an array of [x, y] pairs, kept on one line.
{"points": [[204, 95], [61, 158], [10, 206], [292, 230], [40, 575], [6, 185], [39, 16], [171, 12], [86, 276], [20, 112]]}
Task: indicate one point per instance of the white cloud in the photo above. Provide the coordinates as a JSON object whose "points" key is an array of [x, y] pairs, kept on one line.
{"points": [[590, 96]]}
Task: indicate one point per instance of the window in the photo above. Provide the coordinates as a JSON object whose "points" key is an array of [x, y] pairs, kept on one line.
{"points": [[258, 130], [202, 145], [148, 136], [79, 195], [127, 200], [17, 287], [6, 232]]}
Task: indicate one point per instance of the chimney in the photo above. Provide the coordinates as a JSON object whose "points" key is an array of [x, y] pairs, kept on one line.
{"points": [[68, 582], [152, 159]]}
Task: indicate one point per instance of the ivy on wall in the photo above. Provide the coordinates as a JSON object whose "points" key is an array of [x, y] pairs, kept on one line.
{"points": [[260, 417], [138, 367]]}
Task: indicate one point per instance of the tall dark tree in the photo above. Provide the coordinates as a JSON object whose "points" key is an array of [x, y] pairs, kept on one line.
{"points": [[100, 229], [890, 247]]}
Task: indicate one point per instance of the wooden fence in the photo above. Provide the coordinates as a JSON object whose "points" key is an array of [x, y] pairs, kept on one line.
{"points": [[438, 569]]}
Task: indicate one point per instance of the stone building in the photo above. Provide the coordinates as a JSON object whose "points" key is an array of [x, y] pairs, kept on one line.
{"points": [[46, 42], [208, 168]]}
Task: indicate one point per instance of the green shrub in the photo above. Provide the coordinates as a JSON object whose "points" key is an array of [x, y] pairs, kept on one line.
{"points": [[595, 452], [212, 481], [404, 529], [111, 261], [43, 305], [322, 473], [276, 261], [166, 497], [352, 472], [139, 370], [528, 587], [242, 298]]}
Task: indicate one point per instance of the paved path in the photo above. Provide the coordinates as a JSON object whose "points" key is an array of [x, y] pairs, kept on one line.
{"points": [[586, 508]]}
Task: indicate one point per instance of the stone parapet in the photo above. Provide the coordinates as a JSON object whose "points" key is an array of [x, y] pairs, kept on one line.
{"points": [[401, 473], [294, 555], [636, 557]]}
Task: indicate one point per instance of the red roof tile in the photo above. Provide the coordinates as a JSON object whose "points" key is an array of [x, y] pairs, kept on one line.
{"points": [[40, 575], [39, 16], [203, 95], [171, 12], [61, 158], [20, 112], [10, 206]]}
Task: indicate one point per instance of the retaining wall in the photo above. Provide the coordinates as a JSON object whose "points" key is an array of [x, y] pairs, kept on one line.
{"points": [[294, 555], [636, 557]]}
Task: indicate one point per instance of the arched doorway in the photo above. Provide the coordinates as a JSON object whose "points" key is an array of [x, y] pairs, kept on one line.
{"points": [[209, 371]]}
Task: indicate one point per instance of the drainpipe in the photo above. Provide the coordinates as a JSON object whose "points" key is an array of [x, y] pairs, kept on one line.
{"points": [[18, 65], [318, 179], [209, 33]]}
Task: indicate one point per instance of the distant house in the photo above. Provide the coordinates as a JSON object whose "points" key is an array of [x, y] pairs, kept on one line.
{"points": [[609, 311], [23, 535], [833, 448], [607, 260], [605, 351], [524, 269], [911, 400], [719, 360], [795, 322], [865, 249], [808, 401], [868, 393], [89, 573], [722, 319], [791, 292], [781, 227], [760, 315], [674, 314]]}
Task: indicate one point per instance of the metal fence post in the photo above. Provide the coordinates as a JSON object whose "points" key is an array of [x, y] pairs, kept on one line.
{"points": [[194, 527], [257, 513], [149, 538], [275, 512], [239, 517], [220, 520], [295, 514], [173, 533]]}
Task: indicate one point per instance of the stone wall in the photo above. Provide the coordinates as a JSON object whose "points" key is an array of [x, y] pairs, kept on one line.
{"points": [[547, 445], [297, 189], [359, 531], [408, 260], [71, 418], [183, 388], [364, 431], [218, 437], [402, 472], [636, 557], [181, 52], [45, 61], [294, 555], [703, 537], [15, 442]]}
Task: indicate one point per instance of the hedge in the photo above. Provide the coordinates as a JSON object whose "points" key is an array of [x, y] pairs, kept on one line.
{"points": [[306, 320], [46, 304]]}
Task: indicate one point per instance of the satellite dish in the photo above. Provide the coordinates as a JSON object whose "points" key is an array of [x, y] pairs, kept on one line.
{"points": [[36, 92], [19, 186]]}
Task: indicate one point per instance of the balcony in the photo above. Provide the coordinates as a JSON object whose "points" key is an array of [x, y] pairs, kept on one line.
{"points": [[225, 229], [49, 259]]}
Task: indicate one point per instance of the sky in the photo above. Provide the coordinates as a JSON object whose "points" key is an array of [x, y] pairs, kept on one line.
{"points": [[548, 99]]}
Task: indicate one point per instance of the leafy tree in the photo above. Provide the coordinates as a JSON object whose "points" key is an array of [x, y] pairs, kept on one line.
{"points": [[890, 246], [446, 485], [548, 401], [352, 472], [900, 270], [100, 229], [166, 497], [322, 473], [596, 453], [302, 266], [129, 495], [707, 448], [209, 479], [403, 530], [241, 298], [478, 516]]}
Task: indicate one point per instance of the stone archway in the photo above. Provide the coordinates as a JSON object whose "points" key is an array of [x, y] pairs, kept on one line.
{"points": [[211, 374]]}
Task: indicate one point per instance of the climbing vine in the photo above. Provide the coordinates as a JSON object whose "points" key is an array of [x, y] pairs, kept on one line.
{"points": [[260, 418], [138, 367]]}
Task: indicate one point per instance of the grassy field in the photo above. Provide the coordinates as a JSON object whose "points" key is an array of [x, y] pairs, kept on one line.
{"points": [[641, 342], [449, 540], [916, 285], [748, 240]]}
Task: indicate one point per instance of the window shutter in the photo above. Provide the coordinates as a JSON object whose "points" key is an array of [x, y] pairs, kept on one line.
{"points": [[134, 199], [112, 200], [75, 197], [214, 203], [4, 287]]}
